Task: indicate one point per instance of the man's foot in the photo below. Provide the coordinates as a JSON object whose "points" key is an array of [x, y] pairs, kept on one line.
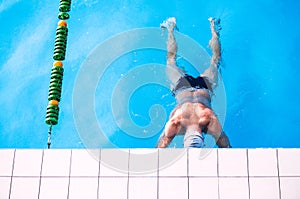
{"points": [[169, 24], [215, 24]]}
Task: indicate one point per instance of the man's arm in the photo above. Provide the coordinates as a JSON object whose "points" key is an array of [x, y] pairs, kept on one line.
{"points": [[214, 128], [223, 141], [172, 128], [164, 141]]}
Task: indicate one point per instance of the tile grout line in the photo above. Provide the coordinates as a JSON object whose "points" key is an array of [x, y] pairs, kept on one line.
{"points": [[98, 186], [78, 177], [278, 174], [199, 177], [12, 173], [247, 156], [152, 176], [40, 182], [157, 186], [218, 173], [188, 173], [246, 176], [128, 173], [68, 196]]}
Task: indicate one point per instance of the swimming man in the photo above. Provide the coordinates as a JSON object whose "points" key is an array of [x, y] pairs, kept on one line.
{"points": [[193, 115]]}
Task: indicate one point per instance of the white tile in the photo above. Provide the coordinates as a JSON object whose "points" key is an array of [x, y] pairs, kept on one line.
{"points": [[143, 162], [234, 188], [6, 159], [232, 162], [203, 188], [262, 162], [113, 188], [25, 187], [5, 186], [83, 187], [145, 187], [114, 162], [261, 188], [172, 162], [94, 153], [54, 188], [84, 164], [175, 188], [290, 187], [28, 162], [203, 162], [56, 162], [289, 162]]}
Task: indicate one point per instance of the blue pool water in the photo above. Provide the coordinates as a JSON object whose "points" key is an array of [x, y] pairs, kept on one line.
{"points": [[260, 71]]}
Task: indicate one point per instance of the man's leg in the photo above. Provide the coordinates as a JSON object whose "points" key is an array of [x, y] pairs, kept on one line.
{"points": [[212, 72], [214, 128], [172, 70]]}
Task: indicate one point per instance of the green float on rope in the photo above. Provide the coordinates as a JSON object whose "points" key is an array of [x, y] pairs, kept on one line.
{"points": [[57, 70]]}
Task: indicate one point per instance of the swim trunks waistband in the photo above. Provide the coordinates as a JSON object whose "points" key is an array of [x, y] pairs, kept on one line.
{"points": [[193, 98]]}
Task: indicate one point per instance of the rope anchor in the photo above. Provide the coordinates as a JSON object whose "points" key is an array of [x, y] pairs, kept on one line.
{"points": [[49, 136]]}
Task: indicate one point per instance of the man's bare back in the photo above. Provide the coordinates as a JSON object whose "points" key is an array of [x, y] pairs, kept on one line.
{"points": [[189, 117], [192, 116]]}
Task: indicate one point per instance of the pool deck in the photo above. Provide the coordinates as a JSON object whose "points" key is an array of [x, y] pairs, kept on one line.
{"points": [[150, 173]]}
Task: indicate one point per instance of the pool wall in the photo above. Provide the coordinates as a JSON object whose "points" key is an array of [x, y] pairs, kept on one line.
{"points": [[221, 173]]}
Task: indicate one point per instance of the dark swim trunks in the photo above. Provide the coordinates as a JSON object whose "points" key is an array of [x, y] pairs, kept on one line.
{"points": [[188, 81]]}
